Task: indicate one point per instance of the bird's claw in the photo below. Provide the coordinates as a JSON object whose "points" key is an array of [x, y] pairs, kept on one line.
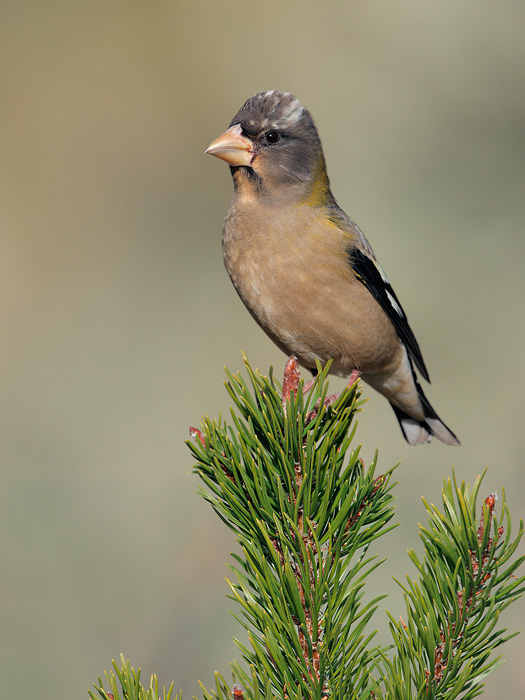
{"points": [[291, 384], [311, 415]]}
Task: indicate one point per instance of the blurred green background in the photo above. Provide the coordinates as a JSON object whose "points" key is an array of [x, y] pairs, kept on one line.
{"points": [[118, 317]]}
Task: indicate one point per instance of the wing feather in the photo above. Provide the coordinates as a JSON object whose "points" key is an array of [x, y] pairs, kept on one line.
{"points": [[369, 272]]}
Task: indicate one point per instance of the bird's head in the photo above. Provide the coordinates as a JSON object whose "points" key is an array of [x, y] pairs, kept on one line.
{"points": [[274, 150]]}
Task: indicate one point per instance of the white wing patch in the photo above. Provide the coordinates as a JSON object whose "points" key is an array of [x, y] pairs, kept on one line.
{"points": [[393, 301], [394, 304], [381, 272]]}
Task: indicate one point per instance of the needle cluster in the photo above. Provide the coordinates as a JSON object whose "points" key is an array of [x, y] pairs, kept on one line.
{"points": [[286, 476]]}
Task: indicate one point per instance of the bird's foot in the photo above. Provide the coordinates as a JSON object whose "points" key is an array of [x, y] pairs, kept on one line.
{"points": [[309, 384], [291, 379], [291, 384], [311, 415]]}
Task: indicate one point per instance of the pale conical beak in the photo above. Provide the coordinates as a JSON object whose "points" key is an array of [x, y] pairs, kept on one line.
{"points": [[232, 147]]}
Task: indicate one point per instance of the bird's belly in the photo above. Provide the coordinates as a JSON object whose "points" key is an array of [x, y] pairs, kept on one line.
{"points": [[314, 311]]}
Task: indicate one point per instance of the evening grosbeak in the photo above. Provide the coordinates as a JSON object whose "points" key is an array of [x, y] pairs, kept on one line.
{"points": [[305, 270]]}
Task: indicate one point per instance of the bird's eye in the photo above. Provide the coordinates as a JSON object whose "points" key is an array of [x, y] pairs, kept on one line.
{"points": [[272, 136]]}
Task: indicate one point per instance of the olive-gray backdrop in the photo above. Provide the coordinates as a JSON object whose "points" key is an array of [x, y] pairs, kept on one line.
{"points": [[118, 317]]}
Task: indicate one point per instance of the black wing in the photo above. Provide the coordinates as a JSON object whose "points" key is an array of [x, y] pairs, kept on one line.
{"points": [[369, 273]]}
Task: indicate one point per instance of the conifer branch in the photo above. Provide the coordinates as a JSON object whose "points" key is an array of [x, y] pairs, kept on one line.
{"points": [[125, 684], [285, 477], [301, 512], [444, 649]]}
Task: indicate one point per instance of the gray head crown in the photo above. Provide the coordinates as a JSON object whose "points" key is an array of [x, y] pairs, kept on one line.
{"points": [[275, 110]]}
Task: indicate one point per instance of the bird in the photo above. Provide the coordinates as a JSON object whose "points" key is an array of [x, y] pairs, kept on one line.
{"points": [[304, 269]]}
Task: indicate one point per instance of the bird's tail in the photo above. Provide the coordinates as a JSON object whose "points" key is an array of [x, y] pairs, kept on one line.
{"points": [[418, 432]]}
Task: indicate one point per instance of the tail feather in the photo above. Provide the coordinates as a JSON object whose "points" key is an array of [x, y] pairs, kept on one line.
{"points": [[418, 420], [418, 432]]}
